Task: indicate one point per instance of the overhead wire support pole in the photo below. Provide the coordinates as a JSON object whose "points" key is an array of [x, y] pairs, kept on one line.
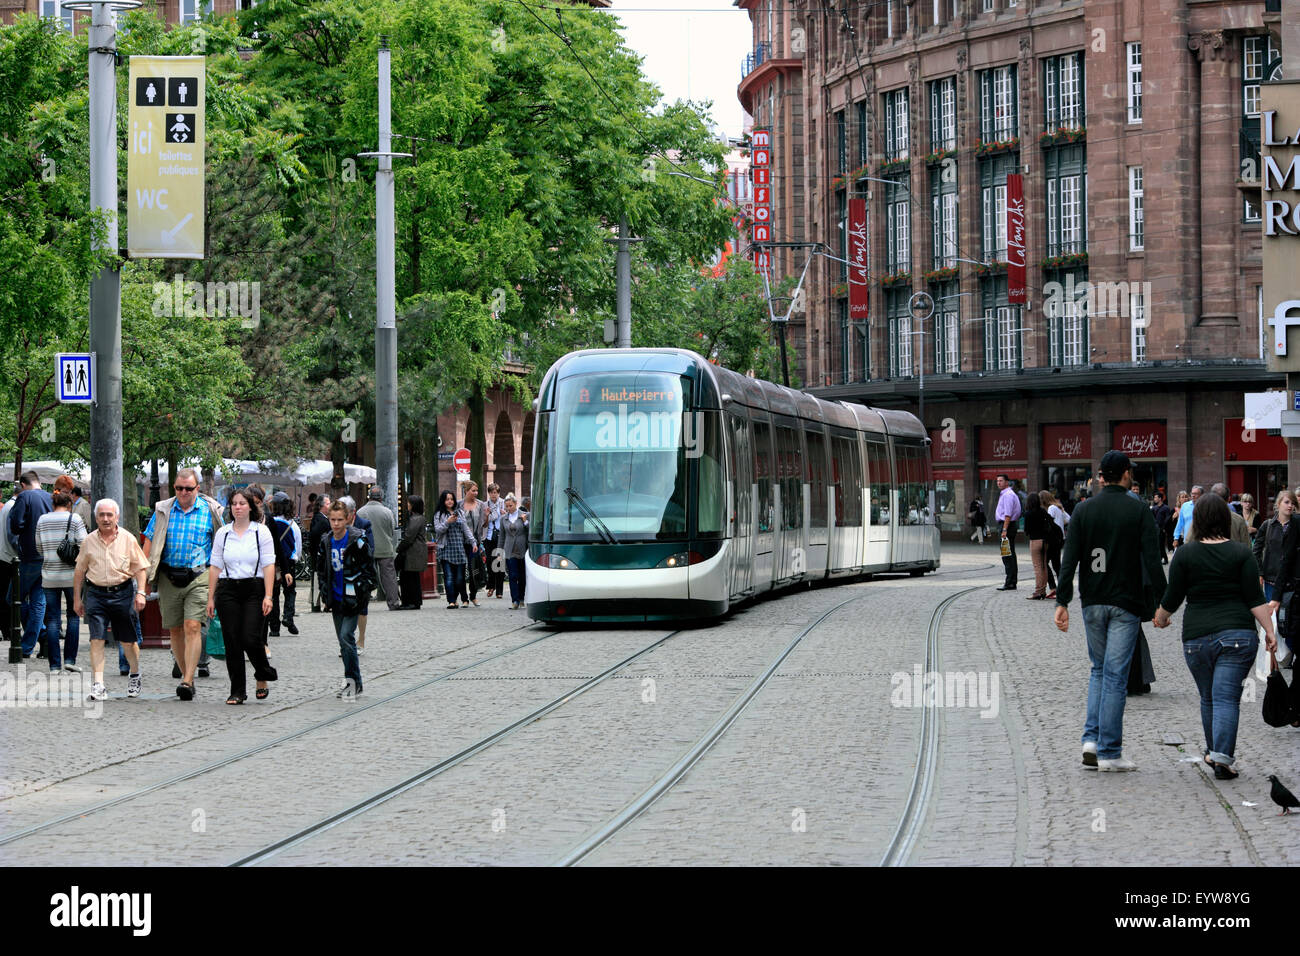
{"points": [[784, 320], [385, 290]]}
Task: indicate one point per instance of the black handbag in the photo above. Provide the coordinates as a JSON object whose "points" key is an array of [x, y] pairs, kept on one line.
{"points": [[68, 549], [1278, 711]]}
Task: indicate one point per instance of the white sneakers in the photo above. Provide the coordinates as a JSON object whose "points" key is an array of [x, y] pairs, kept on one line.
{"points": [[97, 692], [1090, 753], [133, 686], [71, 669], [1118, 765]]}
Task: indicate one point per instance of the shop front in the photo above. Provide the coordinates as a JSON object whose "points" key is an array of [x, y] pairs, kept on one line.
{"points": [[948, 467], [1255, 461], [1067, 463], [1003, 450], [1147, 447]]}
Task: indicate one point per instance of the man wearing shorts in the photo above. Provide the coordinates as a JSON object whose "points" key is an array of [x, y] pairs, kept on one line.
{"points": [[109, 581], [178, 544]]}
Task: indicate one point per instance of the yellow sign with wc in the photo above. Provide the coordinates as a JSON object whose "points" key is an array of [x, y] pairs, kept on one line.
{"points": [[165, 162]]}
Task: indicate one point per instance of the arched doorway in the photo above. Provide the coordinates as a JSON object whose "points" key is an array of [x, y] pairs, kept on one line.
{"points": [[526, 481], [503, 454]]}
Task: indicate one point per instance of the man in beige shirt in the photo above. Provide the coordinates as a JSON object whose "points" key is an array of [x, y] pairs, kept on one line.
{"points": [[110, 575]]}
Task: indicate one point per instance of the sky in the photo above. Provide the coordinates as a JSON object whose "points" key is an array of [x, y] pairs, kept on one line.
{"points": [[692, 49]]}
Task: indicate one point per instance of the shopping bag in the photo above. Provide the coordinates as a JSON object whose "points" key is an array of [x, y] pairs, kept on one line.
{"points": [[216, 641]]}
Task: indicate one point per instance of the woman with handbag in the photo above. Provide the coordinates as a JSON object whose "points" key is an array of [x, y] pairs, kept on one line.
{"points": [[476, 520], [1220, 581], [241, 575], [1275, 547], [59, 534], [413, 555], [514, 545]]}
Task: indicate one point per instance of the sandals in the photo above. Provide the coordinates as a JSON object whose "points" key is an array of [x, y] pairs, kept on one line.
{"points": [[234, 699], [185, 691], [263, 693]]}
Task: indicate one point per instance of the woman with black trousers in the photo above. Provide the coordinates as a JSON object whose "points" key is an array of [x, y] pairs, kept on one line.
{"points": [[413, 556], [241, 574]]}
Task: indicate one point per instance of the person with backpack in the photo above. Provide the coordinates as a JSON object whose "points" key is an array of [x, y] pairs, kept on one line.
{"points": [[59, 534]]}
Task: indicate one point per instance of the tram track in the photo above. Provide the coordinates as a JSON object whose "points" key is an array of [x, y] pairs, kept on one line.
{"points": [[229, 759]]}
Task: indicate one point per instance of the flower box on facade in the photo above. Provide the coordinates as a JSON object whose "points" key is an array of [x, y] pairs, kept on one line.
{"points": [[938, 156], [840, 291], [996, 267], [940, 275], [897, 279], [983, 148], [894, 166], [1070, 260], [1063, 137]]}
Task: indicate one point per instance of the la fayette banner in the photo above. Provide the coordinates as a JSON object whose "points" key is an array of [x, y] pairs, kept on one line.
{"points": [[165, 164]]}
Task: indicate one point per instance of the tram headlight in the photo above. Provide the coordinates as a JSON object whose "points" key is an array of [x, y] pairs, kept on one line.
{"points": [[681, 559], [557, 562]]}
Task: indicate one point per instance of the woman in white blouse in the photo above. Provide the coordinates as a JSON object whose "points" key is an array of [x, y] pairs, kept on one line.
{"points": [[241, 574]]}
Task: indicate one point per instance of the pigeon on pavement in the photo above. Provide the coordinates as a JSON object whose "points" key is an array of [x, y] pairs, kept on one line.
{"points": [[1283, 797]]}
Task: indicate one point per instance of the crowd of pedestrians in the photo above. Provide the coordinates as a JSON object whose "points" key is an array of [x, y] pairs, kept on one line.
{"points": [[233, 569], [1235, 572]]}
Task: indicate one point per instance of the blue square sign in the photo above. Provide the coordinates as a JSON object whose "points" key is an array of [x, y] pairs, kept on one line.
{"points": [[1297, 401], [74, 373]]}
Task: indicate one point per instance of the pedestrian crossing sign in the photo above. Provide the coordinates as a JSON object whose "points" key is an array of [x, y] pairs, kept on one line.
{"points": [[74, 373]]}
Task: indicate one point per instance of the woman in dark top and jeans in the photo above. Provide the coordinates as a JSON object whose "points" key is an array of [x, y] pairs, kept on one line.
{"points": [[1037, 521], [1220, 580], [1275, 548]]}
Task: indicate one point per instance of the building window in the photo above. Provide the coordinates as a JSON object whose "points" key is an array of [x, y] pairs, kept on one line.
{"points": [[1261, 60], [943, 114], [1066, 200], [989, 6], [943, 220], [898, 229], [54, 10], [1134, 82], [896, 124], [842, 210], [947, 329], [864, 143], [998, 104], [1135, 225], [1001, 338], [889, 18], [846, 373], [1067, 322], [1063, 83], [841, 144], [192, 11], [900, 334], [1138, 314]]}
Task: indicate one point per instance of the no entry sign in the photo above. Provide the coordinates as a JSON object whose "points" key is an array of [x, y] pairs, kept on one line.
{"points": [[461, 461]]}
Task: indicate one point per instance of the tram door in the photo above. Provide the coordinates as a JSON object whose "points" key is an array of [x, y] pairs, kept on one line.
{"points": [[765, 497], [741, 506], [789, 548], [882, 504]]}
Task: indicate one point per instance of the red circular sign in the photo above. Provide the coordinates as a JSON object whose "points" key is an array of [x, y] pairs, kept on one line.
{"points": [[461, 461]]}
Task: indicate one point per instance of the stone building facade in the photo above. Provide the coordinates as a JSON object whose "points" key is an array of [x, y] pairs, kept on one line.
{"points": [[1134, 127]]}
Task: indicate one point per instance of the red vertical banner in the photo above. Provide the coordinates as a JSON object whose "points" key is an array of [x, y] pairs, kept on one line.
{"points": [[857, 256], [760, 164], [1016, 294]]}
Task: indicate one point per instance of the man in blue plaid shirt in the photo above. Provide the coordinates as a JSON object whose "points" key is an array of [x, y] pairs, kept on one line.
{"points": [[178, 544]]}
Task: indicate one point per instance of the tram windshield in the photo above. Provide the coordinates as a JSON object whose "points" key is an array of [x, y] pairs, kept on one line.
{"points": [[618, 451]]}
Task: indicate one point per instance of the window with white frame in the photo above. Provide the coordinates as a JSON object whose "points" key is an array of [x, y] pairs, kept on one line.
{"points": [[1066, 200], [1138, 318], [889, 18], [900, 334], [995, 222], [943, 218], [864, 142], [1134, 59], [1063, 87], [1001, 338], [998, 104], [896, 124], [55, 10], [841, 143], [898, 229], [943, 114], [947, 329], [1257, 53], [192, 11], [1135, 218], [989, 6]]}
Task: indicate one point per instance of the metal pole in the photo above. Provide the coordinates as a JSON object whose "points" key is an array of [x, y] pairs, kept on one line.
{"points": [[920, 387], [624, 275], [785, 361], [105, 287], [385, 293]]}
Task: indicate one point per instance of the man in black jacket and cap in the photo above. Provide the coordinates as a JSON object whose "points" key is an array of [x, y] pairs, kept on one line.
{"points": [[1113, 543]]}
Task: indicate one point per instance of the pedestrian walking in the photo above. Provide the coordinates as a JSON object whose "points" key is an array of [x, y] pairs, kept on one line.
{"points": [[109, 580], [8, 569], [1182, 527], [978, 519], [514, 545], [81, 507], [287, 547], [317, 528], [1219, 579], [1112, 543], [1275, 548], [383, 531], [27, 510], [1250, 514], [241, 576], [412, 556], [347, 576], [178, 544], [1160, 512], [59, 535], [363, 523], [1007, 514], [496, 564], [476, 515], [1037, 521], [455, 545], [1055, 538]]}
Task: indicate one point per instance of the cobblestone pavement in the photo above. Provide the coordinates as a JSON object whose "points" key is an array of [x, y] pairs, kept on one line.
{"points": [[816, 769]]}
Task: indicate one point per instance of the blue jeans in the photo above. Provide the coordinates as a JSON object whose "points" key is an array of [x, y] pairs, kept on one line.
{"points": [[345, 626], [515, 569], [453, 577], [29, 580], [1270, 594], [1112, 635], [53, 631], [1219, 662]]}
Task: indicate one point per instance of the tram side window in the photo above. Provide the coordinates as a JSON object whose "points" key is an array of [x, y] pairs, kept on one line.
{"points": [[788, 463], [846, 450], [712, 491], [881, 482], [816, 473], [837, 478], [763, 473]]}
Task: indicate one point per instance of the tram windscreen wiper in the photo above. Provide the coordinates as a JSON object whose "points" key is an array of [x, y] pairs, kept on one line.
{"points": [[591, 515]]}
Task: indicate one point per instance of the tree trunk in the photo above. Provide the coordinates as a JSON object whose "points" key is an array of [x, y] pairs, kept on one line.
{"points": [[155, 489], [477, 438], [430, 473], [130, 516], [173, 465], [338, 487]]}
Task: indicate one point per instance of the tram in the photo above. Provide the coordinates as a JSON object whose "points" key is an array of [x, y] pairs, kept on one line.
{"points": [[665, 487]]}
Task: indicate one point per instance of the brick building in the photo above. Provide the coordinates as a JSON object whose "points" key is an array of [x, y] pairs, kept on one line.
{"points": [[1135, 129]]}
